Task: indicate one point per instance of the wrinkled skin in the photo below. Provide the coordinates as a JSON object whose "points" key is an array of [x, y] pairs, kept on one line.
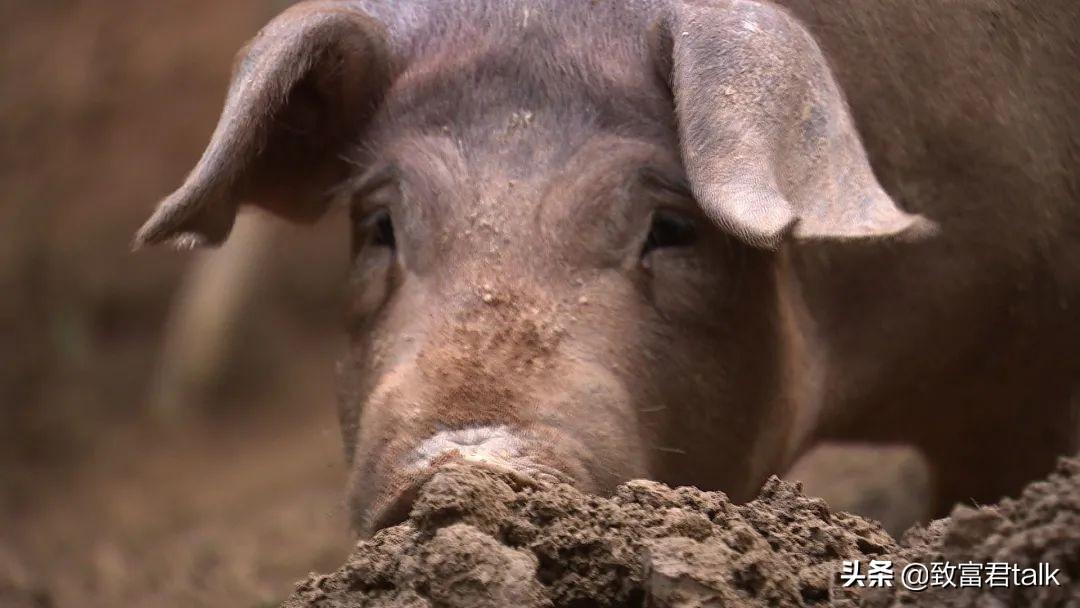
{"points": [[606, 240]]}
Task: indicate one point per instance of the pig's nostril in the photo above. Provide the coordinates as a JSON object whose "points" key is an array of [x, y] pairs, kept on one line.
{"points": [[480, 444]]}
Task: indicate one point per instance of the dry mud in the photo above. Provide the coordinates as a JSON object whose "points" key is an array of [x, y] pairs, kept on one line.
{"points": [[481, 538]]}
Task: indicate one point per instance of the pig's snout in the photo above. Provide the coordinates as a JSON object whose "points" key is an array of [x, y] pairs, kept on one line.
{"points": [[490, 445], [498, 447], [467, 396], [494, 446]]}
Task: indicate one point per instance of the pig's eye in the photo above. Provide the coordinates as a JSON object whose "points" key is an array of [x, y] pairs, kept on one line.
{"points": [[381, 229], [669, 229]]}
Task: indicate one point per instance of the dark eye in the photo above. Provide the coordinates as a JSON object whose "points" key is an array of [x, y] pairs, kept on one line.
{"points": [[374, 230], [381, 230], [669, 229]]}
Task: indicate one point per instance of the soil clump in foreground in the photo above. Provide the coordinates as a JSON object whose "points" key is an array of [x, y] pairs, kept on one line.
{"points": [[482, 538]]}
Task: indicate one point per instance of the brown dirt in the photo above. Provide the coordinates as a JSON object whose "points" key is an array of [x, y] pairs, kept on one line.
{"points": [[481, 538], [1042, 525], [206, 517], [477, 537]]}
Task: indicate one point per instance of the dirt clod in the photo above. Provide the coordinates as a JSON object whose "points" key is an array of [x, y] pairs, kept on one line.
{"points": [[479, 537], [1041, 526]]}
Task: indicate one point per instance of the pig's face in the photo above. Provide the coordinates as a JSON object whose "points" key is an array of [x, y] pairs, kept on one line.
{"points": [[565, 227], [547, 317]]}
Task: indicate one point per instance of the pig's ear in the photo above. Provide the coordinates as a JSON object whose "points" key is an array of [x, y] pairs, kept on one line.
{"points": [[300, 93], [768, 144]]}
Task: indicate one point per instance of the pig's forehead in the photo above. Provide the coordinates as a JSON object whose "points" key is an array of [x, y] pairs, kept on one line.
{"points": [[440, 183], [418, 26], [569, 61], [440, 160]]}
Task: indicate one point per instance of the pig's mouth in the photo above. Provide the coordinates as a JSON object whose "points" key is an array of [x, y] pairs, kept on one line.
{"points": [[490, 447]]}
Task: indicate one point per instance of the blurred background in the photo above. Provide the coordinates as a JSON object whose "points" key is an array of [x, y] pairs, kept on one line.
{"points": [[168, 432], [164, 439]]}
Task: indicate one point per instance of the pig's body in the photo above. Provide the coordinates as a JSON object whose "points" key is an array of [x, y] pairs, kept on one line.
{"points": [[967, 344], [617, 239]]}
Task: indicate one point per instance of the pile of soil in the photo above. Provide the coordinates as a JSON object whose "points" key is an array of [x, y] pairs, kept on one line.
{"points": [[481, 538], [1041, 526]]}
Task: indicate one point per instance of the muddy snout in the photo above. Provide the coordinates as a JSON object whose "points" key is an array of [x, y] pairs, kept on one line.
{"points": [[497, 447], [495, 387]]}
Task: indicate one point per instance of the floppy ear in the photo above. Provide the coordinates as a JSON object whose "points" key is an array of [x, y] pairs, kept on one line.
{"points": [[300, 93], [768, 144]]}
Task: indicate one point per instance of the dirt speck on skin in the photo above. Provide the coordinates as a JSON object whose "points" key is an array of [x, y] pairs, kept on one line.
{"points": [[478, 537]]}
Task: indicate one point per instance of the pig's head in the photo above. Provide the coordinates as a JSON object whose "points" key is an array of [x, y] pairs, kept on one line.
{"points": [[569, 227]]}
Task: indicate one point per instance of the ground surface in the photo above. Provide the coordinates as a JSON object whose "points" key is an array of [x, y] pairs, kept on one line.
{"points": [[480, 538], [200, 517]]}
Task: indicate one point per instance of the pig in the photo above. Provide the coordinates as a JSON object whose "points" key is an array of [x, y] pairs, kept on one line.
{"points": [[676, 239]]}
